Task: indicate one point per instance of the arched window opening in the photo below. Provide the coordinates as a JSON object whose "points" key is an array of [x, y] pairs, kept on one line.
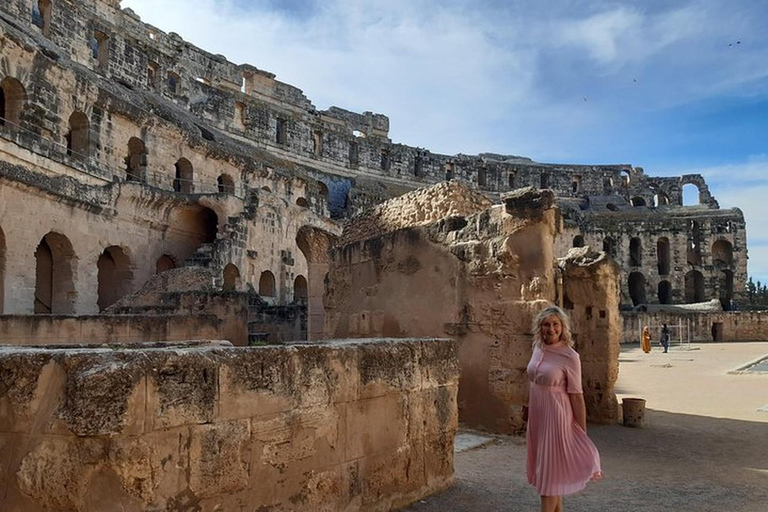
{"points": [[231, 278], [693, 252], [136, 161], [637, 288], [54, 276], [300, 293], [726, 289], [302, 202], [184, 181], [173, 82], [79, 136], [637, 201], [323, 190], [625, 178], [226, 184], [578, 241], [609, 246], [694, 287], [722, 253], [691, 196], [114, 276], [267, 284], [635, 252], [12, 97], [576, 184], [164, 262], [662, 255], [100, 49], [660, 199], [665, 292]]}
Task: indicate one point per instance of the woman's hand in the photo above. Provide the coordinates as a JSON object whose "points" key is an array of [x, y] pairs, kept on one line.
{"points": [[579, 409]]}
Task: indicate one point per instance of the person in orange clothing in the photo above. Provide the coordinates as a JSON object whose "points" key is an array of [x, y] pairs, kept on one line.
{"points": [[646, 341]]}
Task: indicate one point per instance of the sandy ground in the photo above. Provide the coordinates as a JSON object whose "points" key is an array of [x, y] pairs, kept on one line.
{"points": [[704, 446]]}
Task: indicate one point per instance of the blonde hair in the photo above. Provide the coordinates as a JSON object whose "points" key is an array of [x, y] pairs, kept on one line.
{"points": [[565, 336]]}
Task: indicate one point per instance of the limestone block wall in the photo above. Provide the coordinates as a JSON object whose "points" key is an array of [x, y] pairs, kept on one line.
{"points": [[719, 326], [347, 425], [40, 330]]}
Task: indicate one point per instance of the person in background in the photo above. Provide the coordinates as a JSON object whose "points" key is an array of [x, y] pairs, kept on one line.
{"points": [[665, 337], [646, 340]]}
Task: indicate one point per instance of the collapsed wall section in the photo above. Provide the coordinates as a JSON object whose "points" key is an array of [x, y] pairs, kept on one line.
{"points": [[346, 425]]}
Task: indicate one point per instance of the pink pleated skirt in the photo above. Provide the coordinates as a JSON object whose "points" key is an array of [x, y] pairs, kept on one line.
{"points": [[561, 458]]}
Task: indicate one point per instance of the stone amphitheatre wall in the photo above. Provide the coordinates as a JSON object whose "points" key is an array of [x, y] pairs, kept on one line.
{"points": [[346, 425], [714, 326]]}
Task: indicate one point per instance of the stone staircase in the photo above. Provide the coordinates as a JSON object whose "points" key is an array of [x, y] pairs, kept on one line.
{"points": [[201, 258]]}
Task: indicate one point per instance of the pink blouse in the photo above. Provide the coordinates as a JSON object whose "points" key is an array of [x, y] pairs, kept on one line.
{"points": [[556, 366]]}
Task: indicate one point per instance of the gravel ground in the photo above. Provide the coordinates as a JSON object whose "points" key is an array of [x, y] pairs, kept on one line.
{"points": [[697, 459]]}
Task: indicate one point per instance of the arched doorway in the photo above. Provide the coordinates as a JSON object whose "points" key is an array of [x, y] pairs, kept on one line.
{"points": [[267, 284], [114, 276], [300, 289], [54, 276], [722, 253], [12, 97], [231, 278], [314, 244], [637, 288], [79, 136], [665, 292], [184, 181], [226, 184], [694, 287], [136, 161], [164, 263]]}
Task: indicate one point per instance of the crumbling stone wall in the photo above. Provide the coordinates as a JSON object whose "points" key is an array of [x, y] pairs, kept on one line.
{"points": [[478, 277], [347, 425]]}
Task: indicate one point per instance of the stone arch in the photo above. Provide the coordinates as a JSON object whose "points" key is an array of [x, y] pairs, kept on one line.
{"points": [[609, 246], [693, 253], [267, 284], [323, 190], [300, 289], [694, 287], [635, 252], [12, 98], [302, 202], [114, 276], [79, 136], [662, 255], [136, 161], [231, 278], [722, 253], [165, 262], [55, 275], [637, 201], [726, 289], [226, 184], [184, 180], [665, 292], [578, 241], [625, 178], [690, 194], [660, 199], [314, 244], [637, 288], [2, 271]]}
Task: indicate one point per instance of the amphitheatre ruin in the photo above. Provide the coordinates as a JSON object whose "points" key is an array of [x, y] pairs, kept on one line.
{"points": [[215, 296]]}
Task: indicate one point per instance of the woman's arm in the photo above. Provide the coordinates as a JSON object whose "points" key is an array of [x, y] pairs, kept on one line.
{"points": [[579, 409]]}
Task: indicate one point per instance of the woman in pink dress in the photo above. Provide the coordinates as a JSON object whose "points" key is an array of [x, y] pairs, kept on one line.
{"points": [[561, 458]]}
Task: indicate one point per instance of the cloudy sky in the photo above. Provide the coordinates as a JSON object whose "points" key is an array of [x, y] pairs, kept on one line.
{"points": [[672, 86]]}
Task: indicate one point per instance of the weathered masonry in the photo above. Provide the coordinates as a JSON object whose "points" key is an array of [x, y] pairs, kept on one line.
{"points": [[110, 123]]}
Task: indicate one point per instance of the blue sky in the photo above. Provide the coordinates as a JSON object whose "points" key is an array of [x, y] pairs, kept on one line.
{"points": [[671, 86]]}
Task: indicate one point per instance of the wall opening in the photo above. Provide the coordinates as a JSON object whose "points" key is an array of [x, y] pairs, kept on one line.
{"points": [[317, 143], [231, 278], [184, 181], [164, 262], [511, 180], [625, 178], [300, 292], [665, 292], [384, 160], [114, 276], [693, 253], [153, 75], [726, 289], [662, 255], [722, 253], [576, 184], [354, 155], [637, 201], [690, 195], [718, 331], [136, 161], [482, 178], [543, 181], [226, 184], [660, 199], [578, 241], [418, 165], [54, 276], [267, 284], [280, 134], [637, 288], [609, 246], [635, 253], [79, 136], [449, 171], [100, 49], [694, 287], [173, 82], [12, 97], [302, 202]]}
